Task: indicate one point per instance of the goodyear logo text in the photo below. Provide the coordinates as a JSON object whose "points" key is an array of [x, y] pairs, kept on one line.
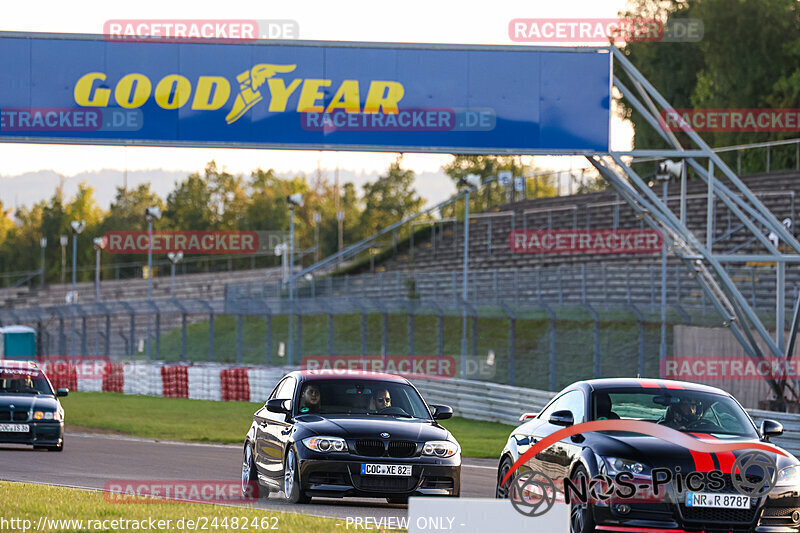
{"points": [[263, 82]]}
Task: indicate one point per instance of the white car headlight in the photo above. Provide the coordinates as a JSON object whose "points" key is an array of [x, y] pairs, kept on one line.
{"points": [[325, 444], [616, 465], [440, 448], [789, 476]]}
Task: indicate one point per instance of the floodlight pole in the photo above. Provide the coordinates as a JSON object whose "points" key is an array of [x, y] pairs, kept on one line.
{"points": [[291, 284], [662, 352], [42, 245], [63, 241], [97, 274], [465, 289]]}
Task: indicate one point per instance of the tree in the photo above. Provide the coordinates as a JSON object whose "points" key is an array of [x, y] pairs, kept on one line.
{"points": [[746, 59], [390, 198], [487, 166], [189, 205]]}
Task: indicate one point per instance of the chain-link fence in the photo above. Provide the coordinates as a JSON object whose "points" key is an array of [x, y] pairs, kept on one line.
{"points": [[539, 346]]}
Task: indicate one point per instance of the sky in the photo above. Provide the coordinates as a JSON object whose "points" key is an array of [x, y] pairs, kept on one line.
{"points": [[437, 21]]}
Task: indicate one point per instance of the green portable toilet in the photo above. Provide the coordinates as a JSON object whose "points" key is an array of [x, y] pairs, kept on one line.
{"points": [[18, 342]]}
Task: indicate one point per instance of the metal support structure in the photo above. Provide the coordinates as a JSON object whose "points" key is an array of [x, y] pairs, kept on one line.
{"points": [[512, 337]]}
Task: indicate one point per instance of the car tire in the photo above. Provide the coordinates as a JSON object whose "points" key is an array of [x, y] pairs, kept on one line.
{"points": [[581, 519], [505, 466], [401, 499], [251, 488], [291, 479]]}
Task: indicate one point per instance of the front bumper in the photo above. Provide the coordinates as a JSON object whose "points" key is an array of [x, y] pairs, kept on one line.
{"points": [[778, 512], [340, 476], [42, 433]]}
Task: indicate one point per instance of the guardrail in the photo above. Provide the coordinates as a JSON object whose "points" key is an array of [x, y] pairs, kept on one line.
{"points": [[503, 403]]}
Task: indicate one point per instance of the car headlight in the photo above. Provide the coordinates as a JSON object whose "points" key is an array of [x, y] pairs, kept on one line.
{"points": [[325, 444], [616, 465], [38, 415], [789, 476], [440, 448], [46, 415]]}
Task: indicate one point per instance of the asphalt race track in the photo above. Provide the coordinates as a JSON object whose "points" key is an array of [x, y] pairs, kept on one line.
{"points": [[91, 461]]}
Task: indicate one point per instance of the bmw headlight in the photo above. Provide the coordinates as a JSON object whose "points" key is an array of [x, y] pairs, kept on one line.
{"points": [[46, 415], [325, 444], [789, 476], [616, 465], [440, 448]]}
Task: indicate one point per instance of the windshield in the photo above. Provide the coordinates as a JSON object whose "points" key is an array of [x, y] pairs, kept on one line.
{"points": [[689, 411], [369, 397], [13, 381]]}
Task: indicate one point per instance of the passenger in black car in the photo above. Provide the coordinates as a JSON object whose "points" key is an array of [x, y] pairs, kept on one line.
{"points": [[603, 406]]}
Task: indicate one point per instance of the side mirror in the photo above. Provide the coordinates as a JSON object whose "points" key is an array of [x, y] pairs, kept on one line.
{"points": [[62, 392], [442, 412], [277, 405], [524, 417], [562, 418], [771, 428]]}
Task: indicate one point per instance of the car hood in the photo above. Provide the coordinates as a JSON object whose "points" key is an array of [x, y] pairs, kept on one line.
{"points": [[27, 402], [656, 453], [348, 426]]}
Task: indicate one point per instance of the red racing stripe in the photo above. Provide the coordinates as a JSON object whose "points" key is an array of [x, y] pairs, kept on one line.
{"points": [[673, 385], [650, 383], [703, 462], [726, 459]]}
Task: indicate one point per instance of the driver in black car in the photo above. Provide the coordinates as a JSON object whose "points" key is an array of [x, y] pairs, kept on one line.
{"points": [[383, 399], [310, 399], [683, 414]]}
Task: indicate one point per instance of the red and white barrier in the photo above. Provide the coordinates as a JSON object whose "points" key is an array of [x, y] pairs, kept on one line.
{"points": [[198, 382]]}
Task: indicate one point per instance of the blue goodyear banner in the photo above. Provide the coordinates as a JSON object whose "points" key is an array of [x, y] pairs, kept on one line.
{"points": [[83, 89]]}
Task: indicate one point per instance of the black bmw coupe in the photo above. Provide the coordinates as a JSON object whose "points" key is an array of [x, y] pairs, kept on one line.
{"points": [[706, 491], [333, 434], [30, 412]]}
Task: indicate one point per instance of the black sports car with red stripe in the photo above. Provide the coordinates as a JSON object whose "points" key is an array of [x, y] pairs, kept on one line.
{"points": [[726, 491]]}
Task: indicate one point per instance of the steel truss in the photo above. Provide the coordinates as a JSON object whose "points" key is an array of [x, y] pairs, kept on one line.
{"points": [[697, 255]]}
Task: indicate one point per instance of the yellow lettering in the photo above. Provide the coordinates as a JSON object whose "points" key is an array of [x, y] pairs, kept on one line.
{"points": [[346, 98], [83, 91], [133, 91], [207, 85], [310, 94], [182, 87], [280, 93], [383, 94]]}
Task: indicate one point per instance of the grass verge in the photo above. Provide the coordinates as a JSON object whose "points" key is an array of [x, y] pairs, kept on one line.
{"points": [[224, 422], [29, 507]]}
